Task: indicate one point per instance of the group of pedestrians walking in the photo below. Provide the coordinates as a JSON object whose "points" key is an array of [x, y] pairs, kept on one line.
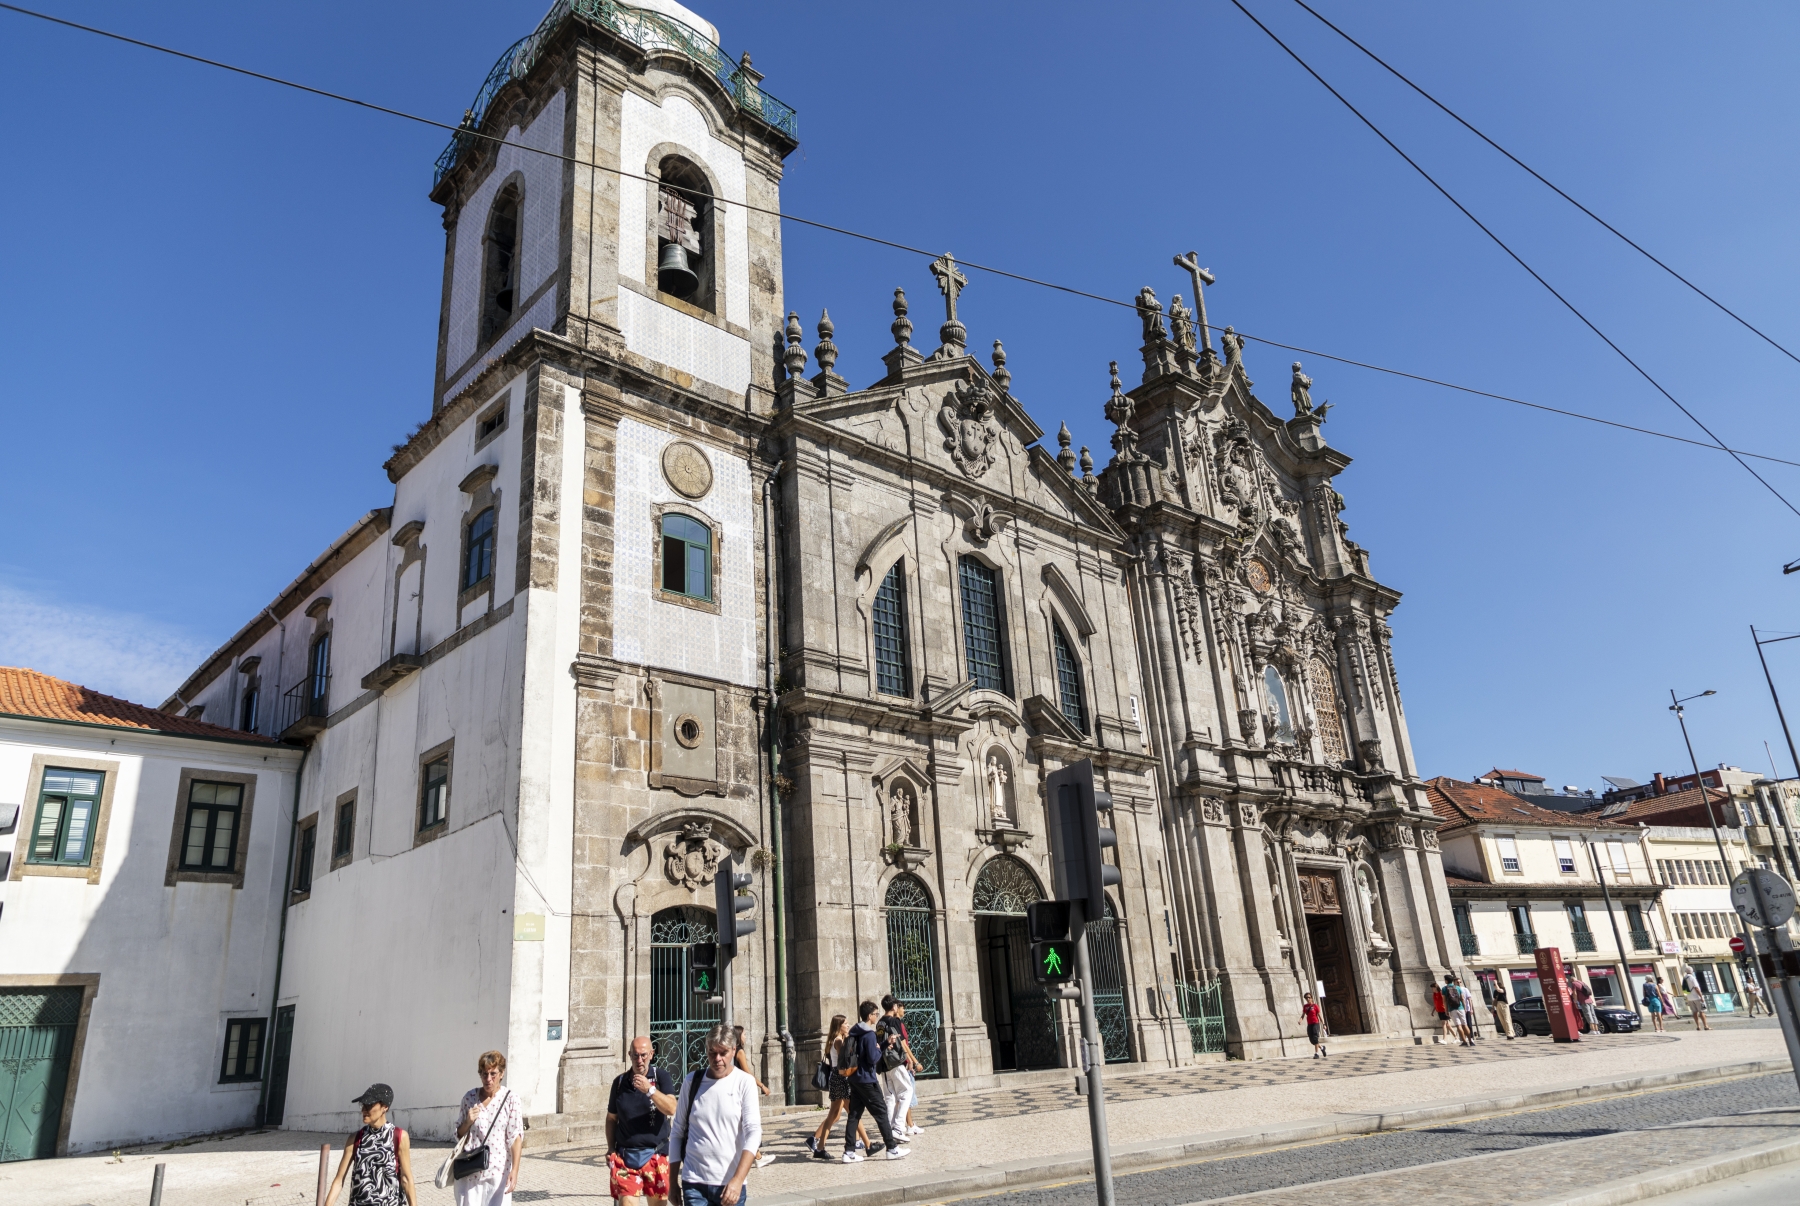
{"points": [[868, 1067]]}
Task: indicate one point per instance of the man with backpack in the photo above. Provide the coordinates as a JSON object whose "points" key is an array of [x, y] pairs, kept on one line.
{"points": [[897, 1063], [859, 1059]]}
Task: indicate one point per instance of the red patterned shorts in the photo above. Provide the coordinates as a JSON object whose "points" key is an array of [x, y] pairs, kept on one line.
{"points": [[650, 1181]]}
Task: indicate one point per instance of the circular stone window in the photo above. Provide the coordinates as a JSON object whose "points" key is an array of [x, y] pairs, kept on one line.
{"points": [[687, 469], [688, 730]]}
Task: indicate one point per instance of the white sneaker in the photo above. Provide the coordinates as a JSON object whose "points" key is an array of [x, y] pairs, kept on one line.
{"points": [[763, 1160], [853, 1157], [915, 1130], [899, 1153]]}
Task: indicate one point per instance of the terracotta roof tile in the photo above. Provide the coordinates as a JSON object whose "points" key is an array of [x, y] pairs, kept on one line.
{"points": [[1647, 809], [1497, 773], [1460, 803], [41, 697]]}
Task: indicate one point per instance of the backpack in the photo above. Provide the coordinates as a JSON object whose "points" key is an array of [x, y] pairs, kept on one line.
{"points": [[849, 1054]]}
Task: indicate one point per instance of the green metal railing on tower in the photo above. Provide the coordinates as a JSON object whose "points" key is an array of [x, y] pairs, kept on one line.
{"points": [[649, 31]]}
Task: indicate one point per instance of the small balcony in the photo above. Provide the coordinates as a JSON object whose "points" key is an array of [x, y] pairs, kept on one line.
{"points": [[1471, 945], [1527, 943], [1640, 941], [304, 707], [1584, 941]]}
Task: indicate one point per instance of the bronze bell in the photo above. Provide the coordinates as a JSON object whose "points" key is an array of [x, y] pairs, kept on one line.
{"points": [[672, 272]]}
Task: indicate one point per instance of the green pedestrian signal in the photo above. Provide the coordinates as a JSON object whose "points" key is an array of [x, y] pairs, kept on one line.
{"points": [[1053, 962], [706, 981]]}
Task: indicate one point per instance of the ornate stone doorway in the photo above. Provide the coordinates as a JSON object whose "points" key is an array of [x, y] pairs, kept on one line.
{"points": [[679, 1019], [1330, 947], [1021, 1019]]}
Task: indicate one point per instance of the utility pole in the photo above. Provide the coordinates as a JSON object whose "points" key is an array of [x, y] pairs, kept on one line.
{"points": [[1613, 920], [1718, 838], [1093, 1058], [1781, 807]]}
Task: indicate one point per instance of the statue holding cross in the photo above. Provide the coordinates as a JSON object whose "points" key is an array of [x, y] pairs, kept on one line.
{"points": [[950, 281], [1191, 261]]}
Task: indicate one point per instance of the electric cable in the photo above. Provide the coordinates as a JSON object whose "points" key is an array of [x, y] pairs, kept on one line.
{"points": [[1516, 258], [1630, 242], [855, 234]]}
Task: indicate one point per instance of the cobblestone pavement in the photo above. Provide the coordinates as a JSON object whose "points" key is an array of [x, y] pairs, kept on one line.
{"points": [[1411, 1149]]}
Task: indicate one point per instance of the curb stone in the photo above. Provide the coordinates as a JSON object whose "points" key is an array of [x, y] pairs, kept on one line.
{"points": [[933, 1187], [1683, 1176]]}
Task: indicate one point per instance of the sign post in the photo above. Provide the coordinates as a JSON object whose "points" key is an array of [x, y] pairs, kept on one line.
{"points": [[1558, 1008], [1763, 898]]}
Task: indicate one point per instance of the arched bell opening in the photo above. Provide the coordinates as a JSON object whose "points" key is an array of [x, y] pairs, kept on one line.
{"points": [[684, 235]]}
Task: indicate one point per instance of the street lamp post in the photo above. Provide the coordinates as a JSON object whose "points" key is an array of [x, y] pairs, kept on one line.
{"points": [[1612, 918], [1718, 838]]}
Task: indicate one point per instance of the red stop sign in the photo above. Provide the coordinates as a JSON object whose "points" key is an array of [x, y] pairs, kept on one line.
{"points": [[1737, 944]]}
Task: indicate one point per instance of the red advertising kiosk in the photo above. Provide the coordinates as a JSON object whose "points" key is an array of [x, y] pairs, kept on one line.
{"points": [[1559, 1007]]}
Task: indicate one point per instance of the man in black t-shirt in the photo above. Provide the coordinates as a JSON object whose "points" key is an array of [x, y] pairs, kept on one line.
{"points": [[641, 1099]]}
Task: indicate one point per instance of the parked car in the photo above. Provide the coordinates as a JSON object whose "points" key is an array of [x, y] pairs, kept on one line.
{"points": [[1529, 1017]]}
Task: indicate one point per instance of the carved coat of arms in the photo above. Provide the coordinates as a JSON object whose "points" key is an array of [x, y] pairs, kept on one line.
{"points": [[970, 433], [692, 859]]}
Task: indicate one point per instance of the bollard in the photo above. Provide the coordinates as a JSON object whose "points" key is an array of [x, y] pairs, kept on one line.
{"points": [[156, 1186], [324, 1173]]}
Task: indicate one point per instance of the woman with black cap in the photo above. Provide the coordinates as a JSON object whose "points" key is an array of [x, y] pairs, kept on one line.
{"points": [[380, 1153]]}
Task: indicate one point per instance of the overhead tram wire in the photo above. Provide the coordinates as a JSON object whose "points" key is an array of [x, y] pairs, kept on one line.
{"points": [[869, 238], [1627, 239], [1516, 258]]}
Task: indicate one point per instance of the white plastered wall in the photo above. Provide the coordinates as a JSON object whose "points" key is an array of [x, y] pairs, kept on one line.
{"points": [[655, 331], [650, 631]]}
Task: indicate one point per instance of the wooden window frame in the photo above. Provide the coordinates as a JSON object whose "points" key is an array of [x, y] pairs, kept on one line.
{"points": [[175, 872], [421, 831], [248, 1026], [34, 785], [716, 566], [306, 854], [467, 588], [59, 838], [343, 826]]}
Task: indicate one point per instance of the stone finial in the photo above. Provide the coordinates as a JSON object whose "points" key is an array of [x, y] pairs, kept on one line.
{"points": [[795, 356], [1118, 406], [1064, 457], [1087, 467], [902, 327], [749, 73], [1002, 377], [827, 352]]}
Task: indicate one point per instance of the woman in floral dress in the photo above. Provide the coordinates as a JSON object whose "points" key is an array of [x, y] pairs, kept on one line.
{"points": [[492, 1113]]}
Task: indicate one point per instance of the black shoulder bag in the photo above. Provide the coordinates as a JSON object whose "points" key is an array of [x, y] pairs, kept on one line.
{"points": [[686, 1114], [472, 1162]]}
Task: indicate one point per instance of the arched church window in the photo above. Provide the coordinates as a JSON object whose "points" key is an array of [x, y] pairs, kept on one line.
{"points": [[1068, 681], [684, 254], [982, 632], [1332, 746], [478, 551], [686, 556], [891, 676], [1006, 886], [1279, 717], [500, 264]]}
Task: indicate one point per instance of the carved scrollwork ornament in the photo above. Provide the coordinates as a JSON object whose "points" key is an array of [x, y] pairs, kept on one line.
{"points": [[971, 435], [1212, 810], [1428, 838]]}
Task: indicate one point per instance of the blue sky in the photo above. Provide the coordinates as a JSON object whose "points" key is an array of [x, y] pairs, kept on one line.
{"points": [[221, 305]]}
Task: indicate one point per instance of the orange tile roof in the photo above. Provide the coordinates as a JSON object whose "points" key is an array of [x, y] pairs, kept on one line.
{"points": [[1647, 809], [1459, 803], [41, 697], [1497, 773]]}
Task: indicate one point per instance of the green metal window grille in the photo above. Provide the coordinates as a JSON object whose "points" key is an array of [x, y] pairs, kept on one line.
{"points": [[912, 968], [478, 557], [1068, 681], [434, 800], [679, 1019], [1005, 886], [68, 806], [1203, 1009], [343, 835], [686, 557], [891, 677], [649, 31], [303, 859], [214, 810], [981, 624], [243, 1050]]}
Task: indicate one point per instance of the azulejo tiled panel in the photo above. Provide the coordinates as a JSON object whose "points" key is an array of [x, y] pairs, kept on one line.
{"points": [[667, 336]]}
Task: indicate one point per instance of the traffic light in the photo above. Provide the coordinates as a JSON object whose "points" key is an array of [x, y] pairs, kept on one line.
{"points": [[1053, 962], [728, 904], [703, 969], [1081, 872]]}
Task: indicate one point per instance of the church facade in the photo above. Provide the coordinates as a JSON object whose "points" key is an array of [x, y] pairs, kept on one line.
{"points": [[658, 591]]}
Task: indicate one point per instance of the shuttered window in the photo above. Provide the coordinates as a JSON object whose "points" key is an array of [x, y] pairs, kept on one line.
{"points": [[1509, 854], [68, 803], [891, 677], [1565, 856]]}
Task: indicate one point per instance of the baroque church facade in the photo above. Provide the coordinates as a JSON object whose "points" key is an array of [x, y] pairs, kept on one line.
{"points": [[659, 589]]}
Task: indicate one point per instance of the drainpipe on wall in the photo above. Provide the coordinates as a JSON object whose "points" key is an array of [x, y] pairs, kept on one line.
{"points": [[262, 1099], [773, 737]]}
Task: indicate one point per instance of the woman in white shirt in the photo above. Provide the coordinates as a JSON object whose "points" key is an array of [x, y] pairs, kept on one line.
{"points": [[717, 1129]]}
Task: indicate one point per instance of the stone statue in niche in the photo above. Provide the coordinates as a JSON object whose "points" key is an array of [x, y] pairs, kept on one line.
{"points": [[1365, 891], [902, 814], [691, 859], [1000, 809]]}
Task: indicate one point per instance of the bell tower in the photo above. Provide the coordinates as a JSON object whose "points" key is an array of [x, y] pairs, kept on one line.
{"points": [[615, 183]]}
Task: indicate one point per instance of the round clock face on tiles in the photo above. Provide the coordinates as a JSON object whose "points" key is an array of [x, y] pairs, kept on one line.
{"points": [[687, 469], [1256, 575]]}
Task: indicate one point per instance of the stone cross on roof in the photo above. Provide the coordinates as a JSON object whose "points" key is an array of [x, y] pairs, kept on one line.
{"points": [[1191, 261], [950, 281]]}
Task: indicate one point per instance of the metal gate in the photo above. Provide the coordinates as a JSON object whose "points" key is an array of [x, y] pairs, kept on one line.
{"points": [[1203, 1008], [1026, 1020], [1110, 1006], [679, 1019], [912, 968], [37, 1038]]}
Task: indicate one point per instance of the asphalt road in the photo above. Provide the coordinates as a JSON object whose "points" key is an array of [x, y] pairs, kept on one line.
{"points": [[1219, 1178]]}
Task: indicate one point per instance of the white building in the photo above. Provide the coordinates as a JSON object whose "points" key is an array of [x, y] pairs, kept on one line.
{"points": [[141, 863]]}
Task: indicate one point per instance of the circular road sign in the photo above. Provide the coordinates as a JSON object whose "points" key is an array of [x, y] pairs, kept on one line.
{"points": [[1737, 944], [1762, 898]]}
